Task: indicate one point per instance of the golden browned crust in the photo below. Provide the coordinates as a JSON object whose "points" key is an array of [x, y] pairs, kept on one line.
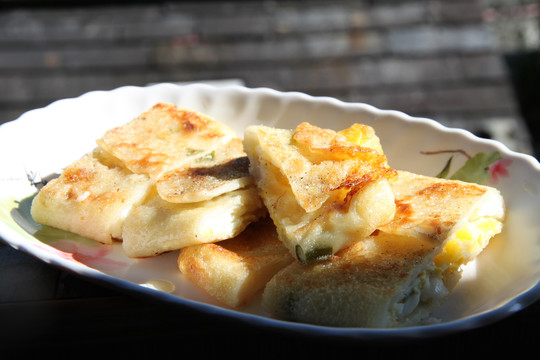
{"points": [[235, 270], [164, 138], [91, 198], [431, 208], [319, 162], [315, 141]]}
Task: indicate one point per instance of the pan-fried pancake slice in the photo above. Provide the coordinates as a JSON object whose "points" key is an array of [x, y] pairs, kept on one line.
{"points": [[323, 191], [92, 197], [158, 226], [191, 156], [462, 215], [164, 138], [223, 170], [403, 271], [235, 270], [364, 285]]}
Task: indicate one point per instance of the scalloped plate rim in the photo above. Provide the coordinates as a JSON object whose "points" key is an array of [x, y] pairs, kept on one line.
{"points": [[13, 239]]}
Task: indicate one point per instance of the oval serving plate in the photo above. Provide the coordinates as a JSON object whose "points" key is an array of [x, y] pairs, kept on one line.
{"points": [[504, 279]]}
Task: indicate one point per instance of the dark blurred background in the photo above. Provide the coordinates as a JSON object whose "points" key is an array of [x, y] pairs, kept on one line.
{"points": [[466, 64]]}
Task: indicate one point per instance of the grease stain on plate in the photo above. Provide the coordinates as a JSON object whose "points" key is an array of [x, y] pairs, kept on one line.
{"points": [[159, 284]]}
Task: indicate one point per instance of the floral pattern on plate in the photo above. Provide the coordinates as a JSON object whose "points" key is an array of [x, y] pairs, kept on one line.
{"points": [[482, 168]]}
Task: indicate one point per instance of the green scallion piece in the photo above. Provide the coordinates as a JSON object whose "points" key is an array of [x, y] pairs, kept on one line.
{"points": [[312, 255]]}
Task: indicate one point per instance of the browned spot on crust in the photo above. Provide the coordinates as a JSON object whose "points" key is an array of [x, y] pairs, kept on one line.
{"points": [[77, 175], [451, 187], [189, 121], [148, 161], [317, 139], [403, 209]]}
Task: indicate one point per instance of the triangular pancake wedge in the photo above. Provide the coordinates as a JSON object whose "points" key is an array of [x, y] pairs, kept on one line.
{"points": [[322, 190]]}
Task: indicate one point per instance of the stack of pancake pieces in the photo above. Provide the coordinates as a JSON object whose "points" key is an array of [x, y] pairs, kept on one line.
{"points": [[313, 219]]}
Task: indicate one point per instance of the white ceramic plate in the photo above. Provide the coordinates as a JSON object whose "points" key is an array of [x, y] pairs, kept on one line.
{"points": [[503, 280]]}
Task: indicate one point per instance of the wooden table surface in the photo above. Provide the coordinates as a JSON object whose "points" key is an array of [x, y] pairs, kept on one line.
{"points": [[48, 310]]}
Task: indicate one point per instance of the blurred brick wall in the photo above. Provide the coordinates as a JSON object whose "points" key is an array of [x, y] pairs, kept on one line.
{"points": [[439, 59]]}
